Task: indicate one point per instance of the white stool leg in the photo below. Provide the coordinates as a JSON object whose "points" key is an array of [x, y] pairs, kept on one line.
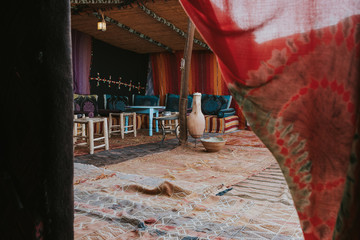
{"points": [[83, 128], [134, 124], [106, 136], [122, 125], [110, 124], [91, 136], [75, 131]]}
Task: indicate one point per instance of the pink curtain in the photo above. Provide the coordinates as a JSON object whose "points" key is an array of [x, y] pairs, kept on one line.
{"points": [[81, 59], [293, 67]]}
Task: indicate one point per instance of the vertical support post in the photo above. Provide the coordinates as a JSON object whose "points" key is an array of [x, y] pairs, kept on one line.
{"points": [[184, 88]]}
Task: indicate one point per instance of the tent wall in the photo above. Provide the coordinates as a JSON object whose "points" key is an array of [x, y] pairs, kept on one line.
{"points": [[110, 63]]}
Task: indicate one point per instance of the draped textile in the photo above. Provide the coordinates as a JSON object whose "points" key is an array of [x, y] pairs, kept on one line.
{"points": [[81, 59], [205, 76], [293, 67]]}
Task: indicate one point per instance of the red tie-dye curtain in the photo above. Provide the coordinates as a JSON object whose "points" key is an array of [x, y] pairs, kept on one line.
{"points": [[293, 67], [205, 76]]}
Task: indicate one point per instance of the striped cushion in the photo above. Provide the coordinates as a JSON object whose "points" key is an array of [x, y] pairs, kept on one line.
{"points": [[213, 124]]}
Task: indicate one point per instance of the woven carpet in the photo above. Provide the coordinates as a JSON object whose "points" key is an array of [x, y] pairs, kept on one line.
{"points": [[269, 192], [186, 194], [243, 138], [116, 142]]}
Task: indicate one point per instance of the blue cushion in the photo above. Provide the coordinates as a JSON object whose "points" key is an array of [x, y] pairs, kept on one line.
{"points": [[226, 112], [114, 102], [228, 100], [212, 104], [172, 102], [140, 100]]}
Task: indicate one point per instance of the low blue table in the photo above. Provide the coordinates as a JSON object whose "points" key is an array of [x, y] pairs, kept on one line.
{"points": [[150, 110]]}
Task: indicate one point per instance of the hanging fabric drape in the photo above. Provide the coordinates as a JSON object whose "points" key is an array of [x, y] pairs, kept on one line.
{"points": [[81, 59], [205, 76], [149, 80], [293, 67], [166, 74]]}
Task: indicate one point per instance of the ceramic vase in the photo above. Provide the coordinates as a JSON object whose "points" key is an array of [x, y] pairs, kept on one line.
{"points": [[196, 119]]}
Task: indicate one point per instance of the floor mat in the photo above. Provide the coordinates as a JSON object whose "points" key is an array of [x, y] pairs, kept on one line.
{"points": [[243, 138], [269, 192], [116, 142], [182, 194]]}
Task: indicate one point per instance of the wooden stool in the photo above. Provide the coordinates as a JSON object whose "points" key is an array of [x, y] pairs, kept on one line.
{"points": [[126, 121], [88, 123], [78, 129]]}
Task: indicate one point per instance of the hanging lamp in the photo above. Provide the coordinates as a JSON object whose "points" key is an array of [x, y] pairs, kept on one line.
{"points": [[101, 25]]}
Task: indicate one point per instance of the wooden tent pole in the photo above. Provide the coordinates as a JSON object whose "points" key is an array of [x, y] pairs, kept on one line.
{"points": [[184, 88]]}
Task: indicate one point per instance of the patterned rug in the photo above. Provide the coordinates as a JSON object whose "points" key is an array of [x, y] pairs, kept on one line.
{"points": [[269, 192], [185, 194], [243, 138], [116, 142]]}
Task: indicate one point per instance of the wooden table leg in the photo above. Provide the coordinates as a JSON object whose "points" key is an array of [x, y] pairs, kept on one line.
{"points": [[151, 115], [156, 122]]}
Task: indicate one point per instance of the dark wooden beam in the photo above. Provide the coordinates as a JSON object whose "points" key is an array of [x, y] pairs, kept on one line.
{"points": [[172, 26], [133, 31], [184, 88]]}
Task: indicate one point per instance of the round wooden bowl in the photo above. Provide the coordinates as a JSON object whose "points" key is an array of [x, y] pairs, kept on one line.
{"points": [[213, 144]]}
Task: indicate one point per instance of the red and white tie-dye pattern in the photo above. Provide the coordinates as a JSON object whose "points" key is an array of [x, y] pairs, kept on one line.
{"points": [[293, 67]]}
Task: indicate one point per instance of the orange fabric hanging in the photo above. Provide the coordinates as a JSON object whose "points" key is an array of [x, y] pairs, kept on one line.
{"points": [[205, 76], [293, 67]]}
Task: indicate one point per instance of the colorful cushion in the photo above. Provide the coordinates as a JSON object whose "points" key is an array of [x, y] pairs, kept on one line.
{"points": [[214, 124], [86, 104], [212, 104], [114, 102], [226, 112], [140, 100], [172, 102]]}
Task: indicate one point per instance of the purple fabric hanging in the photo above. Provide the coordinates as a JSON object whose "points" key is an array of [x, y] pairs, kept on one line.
{"points": [[81, 58]]}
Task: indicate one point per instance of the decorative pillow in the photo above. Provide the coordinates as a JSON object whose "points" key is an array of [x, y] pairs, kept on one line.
{"points": [[226, 112], [228, 99], [212, 104], [113, 102], [86, 104], [172, 102], [140, 100]]}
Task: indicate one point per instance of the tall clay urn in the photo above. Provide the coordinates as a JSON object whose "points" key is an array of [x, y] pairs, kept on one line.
{"points": [[196, 119]]}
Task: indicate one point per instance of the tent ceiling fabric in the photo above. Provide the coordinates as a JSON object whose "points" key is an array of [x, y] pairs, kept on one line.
{"points": [[142, 27]]}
